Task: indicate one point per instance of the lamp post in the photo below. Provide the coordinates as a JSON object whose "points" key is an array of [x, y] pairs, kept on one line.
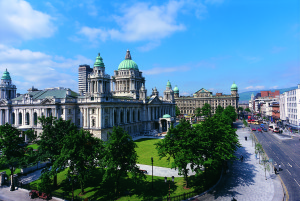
{"points": [[152, 171]]}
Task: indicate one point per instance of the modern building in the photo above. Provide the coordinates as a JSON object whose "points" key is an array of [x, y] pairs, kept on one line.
{"points": [[290, 107], [83, 72], [188, 104], [119, 100]]}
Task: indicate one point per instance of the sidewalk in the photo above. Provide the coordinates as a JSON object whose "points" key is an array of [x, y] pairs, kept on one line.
{"points": [[246, 180]]}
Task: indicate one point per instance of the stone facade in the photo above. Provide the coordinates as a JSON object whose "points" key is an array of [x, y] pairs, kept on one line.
{"points": [[188, 104], [101, 108]]}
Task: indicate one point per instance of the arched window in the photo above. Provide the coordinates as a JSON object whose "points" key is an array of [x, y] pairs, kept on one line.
{"points": [[27, 119], [122, 117], [13, 118], [139, 115], [115, 118], [133, 115]]}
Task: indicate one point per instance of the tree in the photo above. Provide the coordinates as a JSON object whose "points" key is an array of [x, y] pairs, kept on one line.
{"points": [[247, 110], [258, 149], [198, 112], [177, 111], [45, 184], [120, 157], [219, 110], [230, 112], [52, 138], [217, 141], [178, 144], [13, 149], [206, 110], [240, 109], [80, 152]]}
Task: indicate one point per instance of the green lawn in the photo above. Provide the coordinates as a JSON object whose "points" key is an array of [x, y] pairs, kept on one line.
{"points": [[146, 150], [98, 190], [33, 146]]}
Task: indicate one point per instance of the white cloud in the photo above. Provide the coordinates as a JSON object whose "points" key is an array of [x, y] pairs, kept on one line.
{"points": [[141, 21], [19, 21], [28, 68], [255, 87]]}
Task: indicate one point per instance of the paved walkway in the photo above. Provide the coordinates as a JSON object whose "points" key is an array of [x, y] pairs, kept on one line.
{"points": [[246, 180]]}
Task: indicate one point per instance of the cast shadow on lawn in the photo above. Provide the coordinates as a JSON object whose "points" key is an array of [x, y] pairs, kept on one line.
{"points": [[145, 139]]}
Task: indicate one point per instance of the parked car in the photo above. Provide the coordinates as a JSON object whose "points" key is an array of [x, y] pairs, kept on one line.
{"points": [[276, 130], [270, 128], [264, 129], [258, 129], [253, 129]]}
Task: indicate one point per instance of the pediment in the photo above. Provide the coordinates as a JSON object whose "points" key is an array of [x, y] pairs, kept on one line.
{"points": [[47, 101], [154, 100], [3, 102]]}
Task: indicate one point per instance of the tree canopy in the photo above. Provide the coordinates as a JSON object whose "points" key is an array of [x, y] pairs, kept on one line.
{"points": [[177, 111]]}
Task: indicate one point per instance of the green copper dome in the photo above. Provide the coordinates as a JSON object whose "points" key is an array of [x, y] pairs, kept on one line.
{"points": [[176, 90], [128, 64], [99, 61], [6, 75], [166, 116], [234, 87], [168, 84]]}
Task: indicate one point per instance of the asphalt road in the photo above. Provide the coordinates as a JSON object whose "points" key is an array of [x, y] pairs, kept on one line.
{"points": [[284, 150]]}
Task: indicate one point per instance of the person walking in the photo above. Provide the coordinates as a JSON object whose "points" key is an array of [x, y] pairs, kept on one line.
{"points": [[242, 157], [275, 170], [279, 167]]}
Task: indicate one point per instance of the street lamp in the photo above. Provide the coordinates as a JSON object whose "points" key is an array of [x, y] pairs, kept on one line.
{"points": [[152, 171]]}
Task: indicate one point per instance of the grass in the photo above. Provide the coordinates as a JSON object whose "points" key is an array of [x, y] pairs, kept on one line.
{"points": [[33, 146], [146, 150], [98, 190]]}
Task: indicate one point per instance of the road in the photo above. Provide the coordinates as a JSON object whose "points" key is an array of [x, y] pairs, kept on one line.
{"points": [[284, 150]]}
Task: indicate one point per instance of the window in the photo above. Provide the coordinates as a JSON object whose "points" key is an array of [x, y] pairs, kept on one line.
{"points": [[70, 112], [62, 111]]}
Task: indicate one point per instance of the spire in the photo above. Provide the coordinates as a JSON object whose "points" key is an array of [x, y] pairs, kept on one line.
{"points": [[128, 56]]}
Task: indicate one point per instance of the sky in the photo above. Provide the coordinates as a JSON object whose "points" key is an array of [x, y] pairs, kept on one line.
{"points": [[192, 43]]}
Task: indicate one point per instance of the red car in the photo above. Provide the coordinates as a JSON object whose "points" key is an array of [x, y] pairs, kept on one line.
{"points": [[253, 129], [258, 129]]}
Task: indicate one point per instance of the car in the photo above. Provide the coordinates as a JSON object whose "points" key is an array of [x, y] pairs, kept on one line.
{"points": [[264, 129], [270, 128], [253, 129], [258, 129], [276, 130]]}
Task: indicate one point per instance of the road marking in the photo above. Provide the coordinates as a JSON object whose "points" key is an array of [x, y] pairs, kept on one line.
{"points": [[290, 165], [297, 182], [288, 171]]}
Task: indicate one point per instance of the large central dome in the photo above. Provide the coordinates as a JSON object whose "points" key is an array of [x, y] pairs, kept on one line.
{"points": [[128, 64]]}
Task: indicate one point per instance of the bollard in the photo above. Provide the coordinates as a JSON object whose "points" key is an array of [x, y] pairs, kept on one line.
{"points": [[246, 138]]}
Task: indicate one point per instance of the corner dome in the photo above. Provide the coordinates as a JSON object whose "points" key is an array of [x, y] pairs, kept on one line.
{"points": [[99, 61], [6, 75], [234, 87], [169, 84], [128, 64], [176, 90], [166, 116]]}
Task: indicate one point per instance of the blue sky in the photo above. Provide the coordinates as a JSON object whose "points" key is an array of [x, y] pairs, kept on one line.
{"points": [[193, 43]]}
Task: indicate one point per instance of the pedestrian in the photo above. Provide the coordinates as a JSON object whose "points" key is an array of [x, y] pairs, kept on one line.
{"points": [[279, 167], [275, 170], [242, 157]]}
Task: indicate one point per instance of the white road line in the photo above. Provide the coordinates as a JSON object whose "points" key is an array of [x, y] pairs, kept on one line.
{"points": [[297, 182], [288, 171], [290, 165]]}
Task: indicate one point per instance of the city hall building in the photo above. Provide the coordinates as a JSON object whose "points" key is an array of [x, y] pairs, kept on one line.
{"points": [[103, 101], [188, 104]]}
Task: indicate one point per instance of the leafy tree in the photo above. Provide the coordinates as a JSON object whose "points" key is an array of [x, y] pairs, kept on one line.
{"points": [[178, 144], [52, 138], [230, 112], [120, 157], [217, 141], [177, 111], [13, 149], [219, 110], [80, 152], [259, 149], [206, 110], [45, 184], [198, 112], [240, 109], [247, 110]]}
